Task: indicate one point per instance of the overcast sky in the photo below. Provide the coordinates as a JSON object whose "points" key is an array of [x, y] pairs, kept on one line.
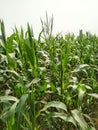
{"points": [[69, 15]]}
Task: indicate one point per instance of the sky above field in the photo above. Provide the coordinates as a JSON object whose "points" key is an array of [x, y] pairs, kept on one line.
{"points": [[69, 15]]}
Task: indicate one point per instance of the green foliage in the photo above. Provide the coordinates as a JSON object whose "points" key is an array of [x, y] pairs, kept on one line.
{"points": [[49, 82]]}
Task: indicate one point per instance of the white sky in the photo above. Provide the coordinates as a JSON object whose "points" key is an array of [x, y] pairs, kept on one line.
{"points": [[69, 15]]}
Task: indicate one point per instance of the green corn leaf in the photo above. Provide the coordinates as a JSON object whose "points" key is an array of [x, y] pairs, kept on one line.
{"points": [[30, 51], [65, 117], [8, 115], [94, 95], [8, 98], [12, 72], [80, 120], [34, 81], [43, 87], [28, 122], [56, 104], [81, 92], [30, 34], [3, 31], [80, 67], [20, 108]]}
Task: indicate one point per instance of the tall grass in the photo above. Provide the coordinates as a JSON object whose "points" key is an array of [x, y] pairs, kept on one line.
{"points": [[47, 83]]}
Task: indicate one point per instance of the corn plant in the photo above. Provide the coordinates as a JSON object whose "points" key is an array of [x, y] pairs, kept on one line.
{"points": [[47, 83]]}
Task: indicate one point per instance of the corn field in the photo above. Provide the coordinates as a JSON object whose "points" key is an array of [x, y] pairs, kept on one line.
{"points": [[49, 82]]}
